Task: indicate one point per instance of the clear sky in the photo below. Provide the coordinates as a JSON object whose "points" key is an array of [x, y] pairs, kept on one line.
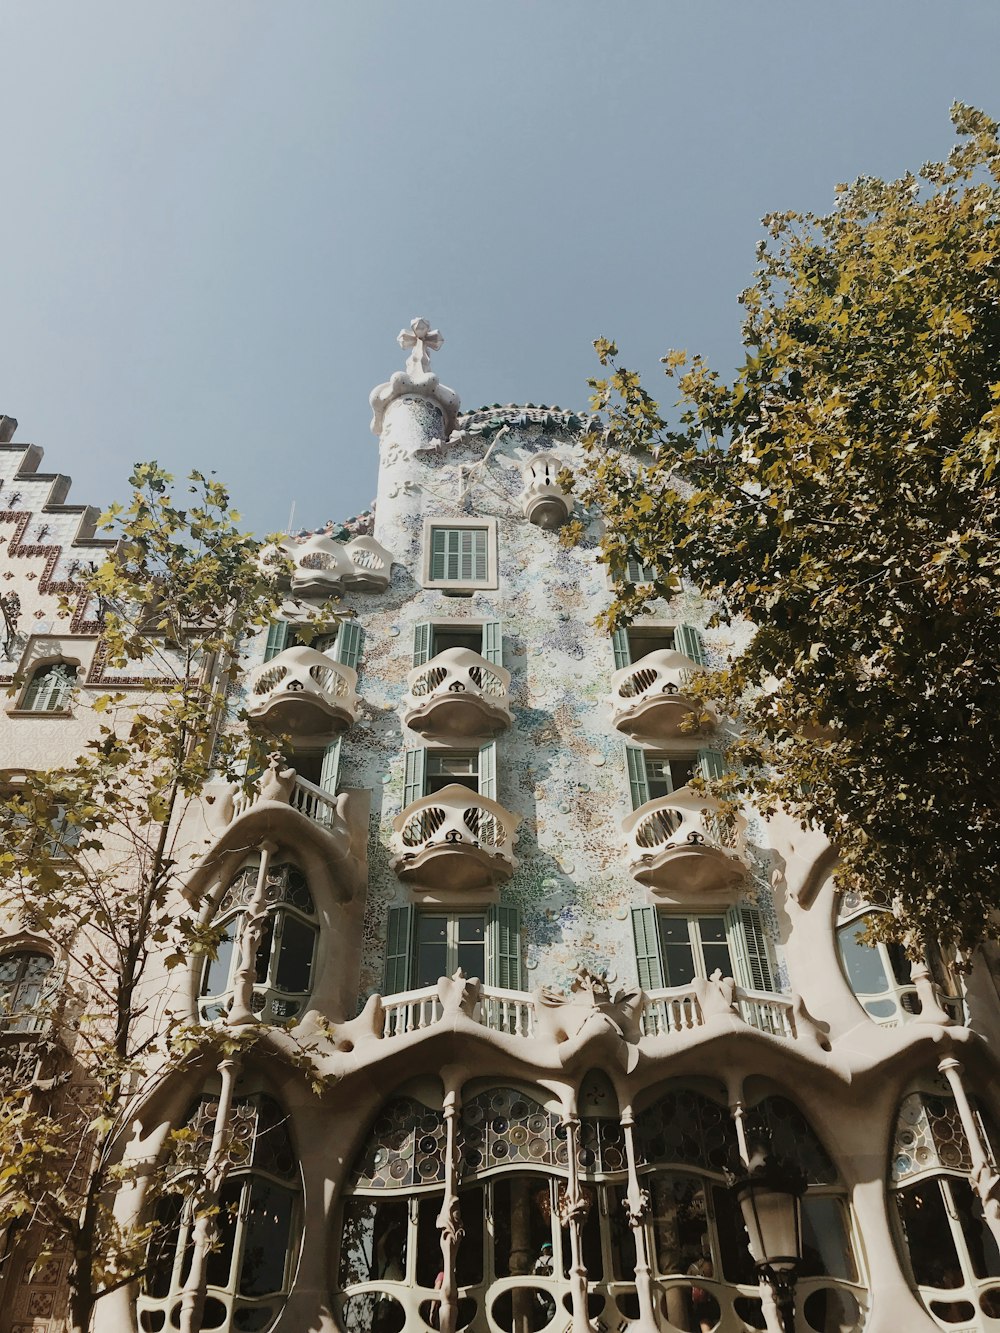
{"points": [[217, 216]]}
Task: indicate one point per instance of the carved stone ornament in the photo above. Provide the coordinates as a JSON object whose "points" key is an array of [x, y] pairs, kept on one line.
{"points": [[413, 410], [589, 1012]]}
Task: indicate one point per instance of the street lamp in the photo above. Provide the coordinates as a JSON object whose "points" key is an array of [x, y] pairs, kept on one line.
{"points": [[769, 1193]]}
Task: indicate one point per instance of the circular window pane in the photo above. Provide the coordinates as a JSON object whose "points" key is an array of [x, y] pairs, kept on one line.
{"points": [[750, 1310], [533, 1308], [881, 1008], [953, 1312], [373, 1309], [691, 1307], [990, 1302]]}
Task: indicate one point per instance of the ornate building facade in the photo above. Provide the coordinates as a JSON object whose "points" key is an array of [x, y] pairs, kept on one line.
{"points": [[555, 998]]}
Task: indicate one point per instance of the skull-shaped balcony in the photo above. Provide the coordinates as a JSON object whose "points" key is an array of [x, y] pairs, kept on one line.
{"points": [[543, 500], [680, 846], [457, 696], [649, 700], [304, 693], [321, 566], [454, 842]]}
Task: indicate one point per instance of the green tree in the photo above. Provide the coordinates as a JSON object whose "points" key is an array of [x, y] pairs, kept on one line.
{"points": [[841, 494], [90, 857]]}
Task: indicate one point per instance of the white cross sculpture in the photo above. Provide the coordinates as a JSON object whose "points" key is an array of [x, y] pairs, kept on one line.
{"points": [[422, 339]]}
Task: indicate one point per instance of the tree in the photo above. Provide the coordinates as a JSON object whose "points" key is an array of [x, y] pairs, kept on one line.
{"points": [[841, 495], [90, 858]]}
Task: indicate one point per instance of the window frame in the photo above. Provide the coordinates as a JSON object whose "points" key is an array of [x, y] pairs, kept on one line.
{"points": [[33, 692], [489, 525], [452, 941], [39, 1012]]}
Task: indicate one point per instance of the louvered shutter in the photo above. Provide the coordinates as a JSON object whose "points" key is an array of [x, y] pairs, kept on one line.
{"points": [[687, 640], [493, 642], [330, 772], [442, 554], [711, 764], [423, 639], [638, 784], [475, 567], [503, 934], [647, 948], [398, 950], [488, 771], [619, 642], [350, 642], [277, 636], [748, 946], [415, 775]]}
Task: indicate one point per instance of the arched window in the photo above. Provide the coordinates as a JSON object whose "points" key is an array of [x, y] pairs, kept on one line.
{"points": [[248, 1271], [879, 974], [513, 1262], [50, 688], [24, 977], [283, 973], [947, 1244]]}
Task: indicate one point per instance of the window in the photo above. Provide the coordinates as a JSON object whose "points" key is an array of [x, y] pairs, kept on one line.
{"points": [[951, 1251], [637, 641], [429, 771], [424, 944], [285, 952], [248, 1270], [344, 641], [880, 975], [482, 637], [50, 689], [654, 774], [24, 978], [673, 948], [514, 1224], [460, 554]]}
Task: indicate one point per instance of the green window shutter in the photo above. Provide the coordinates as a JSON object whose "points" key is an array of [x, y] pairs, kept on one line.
{"points": [[623, 655], [638, 786], [503, 934], [423, 639], [493, 642], [398, 950], [637, 572], [440, 552], [350, 642], [647, 948], [277, 636], [479, 556], [330, 772], [415, 775], [488, 771], [687, 640], [748, 947], [710, 764]]}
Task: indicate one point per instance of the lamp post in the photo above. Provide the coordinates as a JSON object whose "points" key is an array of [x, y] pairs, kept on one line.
{"points": [[769, 1193]]}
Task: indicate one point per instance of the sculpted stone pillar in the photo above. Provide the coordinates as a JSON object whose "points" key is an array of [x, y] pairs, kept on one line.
{"points": [[449, 1220], [984, 1176], [250, 935], [637, 1210]]}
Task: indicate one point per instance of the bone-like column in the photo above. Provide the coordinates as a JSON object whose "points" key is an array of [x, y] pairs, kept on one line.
{"points": [[449, 1220], [250, 935], [637, 1210], [984, 1176]]}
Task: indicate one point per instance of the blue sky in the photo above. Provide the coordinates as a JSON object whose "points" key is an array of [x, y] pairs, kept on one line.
{"points": [[217, 216]]}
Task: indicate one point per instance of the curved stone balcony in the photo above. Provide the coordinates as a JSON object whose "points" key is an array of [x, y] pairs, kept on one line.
{"points": [[648, 701], [303, 692], [678, 844], [543, 500], [457, 696], [454, 840], [321, 566]]}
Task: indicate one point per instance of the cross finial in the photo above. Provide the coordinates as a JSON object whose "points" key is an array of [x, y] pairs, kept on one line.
{"points": [[421, 339]]}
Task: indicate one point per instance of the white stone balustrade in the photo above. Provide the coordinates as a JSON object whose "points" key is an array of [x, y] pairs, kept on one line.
{"points": [[648, 699], [454, 840], [320, 565], [303, 691], [543, 500], [457, 695], [665, 1012], [316, 804], [679, 844]]}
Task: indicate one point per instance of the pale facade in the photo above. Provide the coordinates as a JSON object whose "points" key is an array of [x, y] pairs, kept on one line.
{"points": [[557, 997]]}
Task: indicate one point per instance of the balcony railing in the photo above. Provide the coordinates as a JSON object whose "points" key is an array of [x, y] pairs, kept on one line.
{"points": [[457, 695], [648, 699], [454, 839], [499, 1010], [321, 565], [316, 804], [680, 842], [304, 691], [666, 1012]]}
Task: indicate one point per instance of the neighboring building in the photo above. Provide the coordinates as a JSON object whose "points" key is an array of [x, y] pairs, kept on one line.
{"points": [[559, 995]]}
